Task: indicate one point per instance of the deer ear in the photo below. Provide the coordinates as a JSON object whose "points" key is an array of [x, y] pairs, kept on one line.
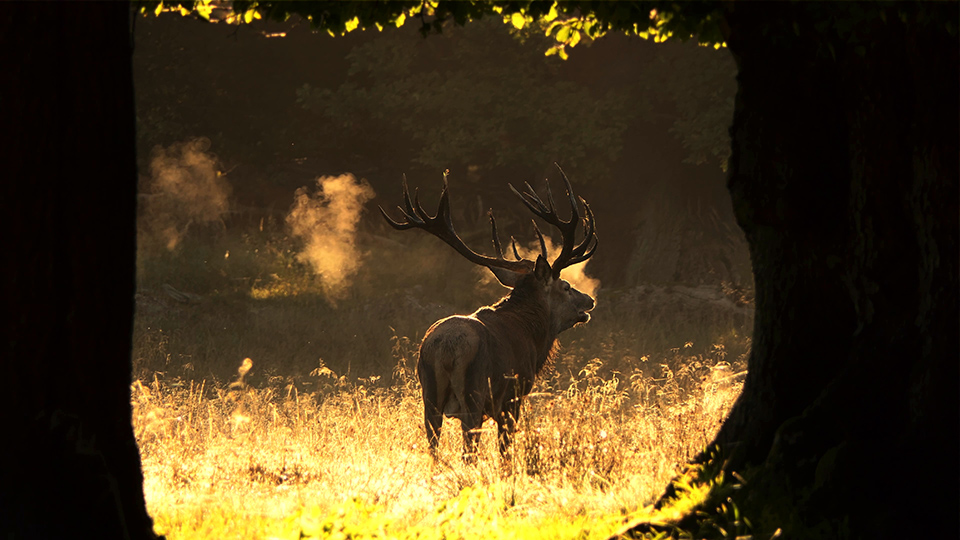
{"points": [[507, 278], [542, 271]]}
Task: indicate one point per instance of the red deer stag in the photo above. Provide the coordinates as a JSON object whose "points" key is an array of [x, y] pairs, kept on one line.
{"points": [[482, 365]]}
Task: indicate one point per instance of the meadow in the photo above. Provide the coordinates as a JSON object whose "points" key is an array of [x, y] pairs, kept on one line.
{"points": [[268, 406]]}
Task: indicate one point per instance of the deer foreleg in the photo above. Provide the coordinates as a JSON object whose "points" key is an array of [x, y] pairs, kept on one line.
{"points": [[507, 424]]}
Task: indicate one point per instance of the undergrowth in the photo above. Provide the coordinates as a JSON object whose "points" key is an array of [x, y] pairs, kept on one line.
{"points": [[321, 435], [216, 300], [348, 458]]}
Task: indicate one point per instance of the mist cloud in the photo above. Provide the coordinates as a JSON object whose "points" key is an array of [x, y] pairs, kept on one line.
{"points": [[576, 274], [326, 220], [184, 189]]}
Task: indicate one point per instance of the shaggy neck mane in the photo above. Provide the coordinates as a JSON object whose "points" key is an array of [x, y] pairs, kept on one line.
{"points": [[525, 310]]}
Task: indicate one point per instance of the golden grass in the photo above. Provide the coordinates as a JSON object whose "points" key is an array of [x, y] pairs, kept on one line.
{"points": [[349, 459], [292, 449]]}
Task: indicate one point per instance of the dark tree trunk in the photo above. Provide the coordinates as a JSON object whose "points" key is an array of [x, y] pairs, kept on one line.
{"points": [[69, 465], [844, 177]]}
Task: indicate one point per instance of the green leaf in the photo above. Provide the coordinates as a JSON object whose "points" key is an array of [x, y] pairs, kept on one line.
{"points": [[517, 20], [204, 10], [352, 24], [553, 27], [400, 19], [564, 34], [592, 29], [159, 9], [248, 16], [551, 15]]}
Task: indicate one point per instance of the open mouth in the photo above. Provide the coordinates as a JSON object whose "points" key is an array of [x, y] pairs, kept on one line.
{"points": [[583, 316]]}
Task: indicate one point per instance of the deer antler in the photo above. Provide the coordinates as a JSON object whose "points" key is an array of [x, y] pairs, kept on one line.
{"points": [[441, 226], [569, 254]]}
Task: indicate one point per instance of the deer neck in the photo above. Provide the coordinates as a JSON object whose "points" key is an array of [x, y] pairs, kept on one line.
{"points": [[533, 318]]}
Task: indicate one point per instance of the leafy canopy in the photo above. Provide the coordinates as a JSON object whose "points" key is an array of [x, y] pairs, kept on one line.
{"points": [[483, 98], [568, 23]]}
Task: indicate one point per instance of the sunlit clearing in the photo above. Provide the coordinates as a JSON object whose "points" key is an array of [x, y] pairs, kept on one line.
{"points": [[326, 221], [350, 456]]}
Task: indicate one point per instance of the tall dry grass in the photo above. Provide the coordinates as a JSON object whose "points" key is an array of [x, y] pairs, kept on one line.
{"points": [[329, 413], [587, 444]]}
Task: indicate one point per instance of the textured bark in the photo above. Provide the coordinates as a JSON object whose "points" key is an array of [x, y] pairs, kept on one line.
{"points": [[69, 465], [844, 177]]}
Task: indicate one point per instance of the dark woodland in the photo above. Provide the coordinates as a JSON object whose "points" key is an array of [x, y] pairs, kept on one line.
{"points": [[843, 177]]}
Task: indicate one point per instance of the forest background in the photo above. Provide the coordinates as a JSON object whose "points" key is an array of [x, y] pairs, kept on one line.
{"points": [[262, 148], [852, 233]]}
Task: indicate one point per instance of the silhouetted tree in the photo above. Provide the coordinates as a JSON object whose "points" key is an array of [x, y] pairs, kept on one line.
{"points": [[69, 465], [844, 177]]}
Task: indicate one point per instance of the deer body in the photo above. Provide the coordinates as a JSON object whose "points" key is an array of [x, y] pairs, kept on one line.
{"points": [[482, 365], [467, 373]]}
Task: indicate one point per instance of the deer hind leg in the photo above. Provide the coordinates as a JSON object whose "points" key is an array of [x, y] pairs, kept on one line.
{"points": [[473, 393], [436, 392], [432, 422], [470, 422]]}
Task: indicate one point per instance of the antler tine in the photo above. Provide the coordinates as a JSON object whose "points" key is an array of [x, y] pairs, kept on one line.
{"points": [[421, 213], [532, 194], [545, 208], [414, 212], [589, 244], [575, 216], [411, 220], [496, 237], [585, 253], [588, 223], [441, 226], [570, 252], [531, 201], [406, 197], [553, 205], [516, 253], [543, 245], [548, 211], [398, 225], [443, 207]]}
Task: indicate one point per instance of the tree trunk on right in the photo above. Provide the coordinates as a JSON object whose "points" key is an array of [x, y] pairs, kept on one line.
{"points": [[844, 178]]}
